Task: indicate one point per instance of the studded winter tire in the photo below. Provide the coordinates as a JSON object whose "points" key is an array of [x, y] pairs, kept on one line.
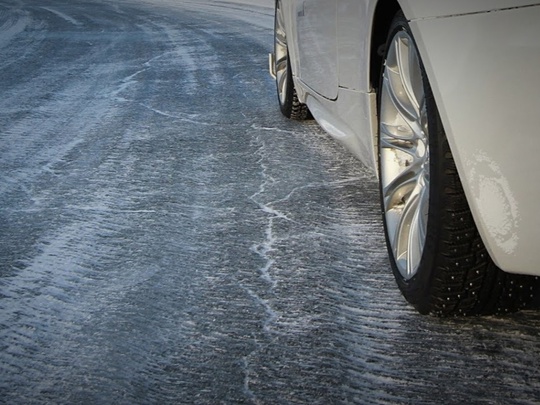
{"points": [[438, 258]]}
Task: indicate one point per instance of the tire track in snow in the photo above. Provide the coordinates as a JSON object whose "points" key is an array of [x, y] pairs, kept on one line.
{"points": [[63, 16], [12, 27]]}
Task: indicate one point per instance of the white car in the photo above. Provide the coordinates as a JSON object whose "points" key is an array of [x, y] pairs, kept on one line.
{"points": [[442, 99]]}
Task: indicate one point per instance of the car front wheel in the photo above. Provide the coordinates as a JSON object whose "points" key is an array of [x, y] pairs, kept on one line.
{"points": [[438, 259]]}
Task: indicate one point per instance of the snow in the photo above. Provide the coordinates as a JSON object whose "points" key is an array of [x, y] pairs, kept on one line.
{"points": [[166, 236]]}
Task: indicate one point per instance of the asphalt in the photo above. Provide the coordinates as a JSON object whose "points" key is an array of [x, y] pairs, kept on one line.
{"points": [[166, 236]]}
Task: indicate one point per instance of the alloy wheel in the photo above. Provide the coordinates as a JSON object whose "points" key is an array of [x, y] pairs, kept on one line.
{"points": [[404, 154]]}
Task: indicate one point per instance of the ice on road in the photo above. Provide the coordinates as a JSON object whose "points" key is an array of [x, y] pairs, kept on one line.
{"points": [[166, 236]]}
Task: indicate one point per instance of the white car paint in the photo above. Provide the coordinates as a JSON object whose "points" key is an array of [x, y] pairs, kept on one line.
{"points": [[488, 94], [316, 29], [419, 9], [482, 61]]}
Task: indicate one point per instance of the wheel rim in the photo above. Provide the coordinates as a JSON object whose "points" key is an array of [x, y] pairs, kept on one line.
{"points": [[281, 53], [404, 154]]}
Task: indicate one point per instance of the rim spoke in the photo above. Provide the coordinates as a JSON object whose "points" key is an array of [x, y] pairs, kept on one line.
{"points": [[406, 146], [281, 64], [397, 67], [409, 67], [399, 96], [282, 83], [404, 246], [401, 131], [417, 230], [281, 54], [405, 122], [400, 189]]}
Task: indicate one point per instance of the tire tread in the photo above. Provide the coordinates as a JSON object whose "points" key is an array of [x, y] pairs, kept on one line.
{"points": [[299, 111], [466, 281]]}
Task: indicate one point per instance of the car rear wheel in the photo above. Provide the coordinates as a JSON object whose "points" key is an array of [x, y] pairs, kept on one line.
{"points": [[289, 103], [438, 259]]}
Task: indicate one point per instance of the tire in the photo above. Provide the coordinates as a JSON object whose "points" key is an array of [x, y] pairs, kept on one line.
{"points": [[438, 258], [290, 105]]}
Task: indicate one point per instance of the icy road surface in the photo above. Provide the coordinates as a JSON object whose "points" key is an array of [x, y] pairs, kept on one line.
{"points": [[167, 237]]}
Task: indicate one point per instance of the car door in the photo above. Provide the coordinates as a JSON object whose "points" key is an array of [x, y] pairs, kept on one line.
{"points": [[316, 22]]}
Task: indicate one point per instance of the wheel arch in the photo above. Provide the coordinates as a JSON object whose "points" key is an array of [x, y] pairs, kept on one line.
{"points": [[382, 19]]}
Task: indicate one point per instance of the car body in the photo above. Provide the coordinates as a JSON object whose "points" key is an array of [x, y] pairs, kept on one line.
{"points": [[481, 60]]}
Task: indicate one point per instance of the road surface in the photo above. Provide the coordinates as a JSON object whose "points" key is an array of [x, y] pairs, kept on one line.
{"points": [[166, 236]]}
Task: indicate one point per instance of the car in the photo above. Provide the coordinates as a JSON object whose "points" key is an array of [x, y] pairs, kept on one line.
{"points": [[442, 100]]}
